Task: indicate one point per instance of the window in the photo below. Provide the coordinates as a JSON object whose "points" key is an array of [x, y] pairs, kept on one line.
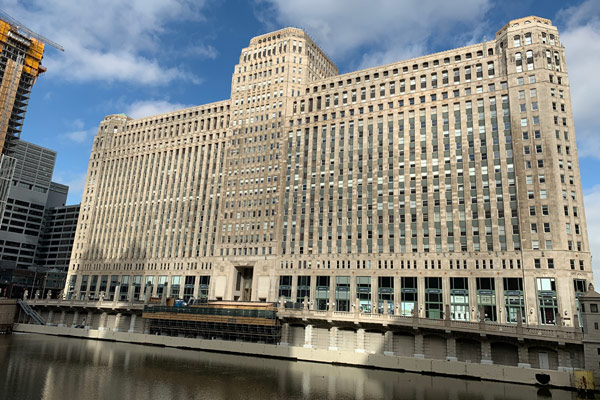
{"points": [[517, 41], [594, 308]]}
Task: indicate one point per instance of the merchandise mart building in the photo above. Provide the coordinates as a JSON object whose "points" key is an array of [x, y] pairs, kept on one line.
{"points": [[445, 180]]}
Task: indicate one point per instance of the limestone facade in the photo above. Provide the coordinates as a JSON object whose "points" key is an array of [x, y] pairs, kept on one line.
{"points": [[450, 179]]}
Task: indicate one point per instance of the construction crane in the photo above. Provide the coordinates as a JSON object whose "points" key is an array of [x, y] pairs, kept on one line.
{"points": [[28, 32]]}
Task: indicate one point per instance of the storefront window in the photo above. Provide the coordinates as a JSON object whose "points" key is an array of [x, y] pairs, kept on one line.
{"points": [[385, 286], [342, 293], [409, 293], [459, 299]]}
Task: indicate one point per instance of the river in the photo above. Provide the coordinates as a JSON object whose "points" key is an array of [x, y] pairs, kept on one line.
{"points": [[48, 367]]}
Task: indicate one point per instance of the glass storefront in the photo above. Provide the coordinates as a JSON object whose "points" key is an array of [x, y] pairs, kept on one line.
{"points": [[93, 287], [385, 289], [410, 297], [486, 299], [303, 289], [285, 287], [71, 287], [124, 289], [162, 285], [203, 287], [514, 299], [342, 293], [322, 292], [103, 286], [363, 293], [188, 287], [83, 287], [547, 300], [114, 280], [459, 299], [175, 286], [434, 304], [137, 287]]}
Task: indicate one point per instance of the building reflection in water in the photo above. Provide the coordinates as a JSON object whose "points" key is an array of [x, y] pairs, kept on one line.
{"points": [[46, 367]]}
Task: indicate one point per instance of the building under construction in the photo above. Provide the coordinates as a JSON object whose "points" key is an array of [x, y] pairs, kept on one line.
{"points": [[21, 52]]}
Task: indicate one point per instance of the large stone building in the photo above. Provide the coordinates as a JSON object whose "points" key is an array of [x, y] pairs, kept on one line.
{"points": [[450, 179]]}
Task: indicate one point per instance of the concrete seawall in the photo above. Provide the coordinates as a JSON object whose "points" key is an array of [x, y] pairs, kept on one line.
{"points": [[460, 369]]}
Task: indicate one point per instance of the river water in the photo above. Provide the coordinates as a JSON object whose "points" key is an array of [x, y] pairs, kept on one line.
{"points": [[48, 367]]}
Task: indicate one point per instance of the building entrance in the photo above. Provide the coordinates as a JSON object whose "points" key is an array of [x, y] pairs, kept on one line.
{"points": [[243, 283]]}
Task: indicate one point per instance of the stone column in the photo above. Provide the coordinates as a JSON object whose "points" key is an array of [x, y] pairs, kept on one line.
{"points": [[473, 298], [446, 296], [451, 348], [360, 341], [353, 294], [500, 300], [75, 319], [130, 293], [61, 321], [313, 293], [50, 316], [285, 335], [333, 338], [103, 318], [163, 299], [88, 320], [308, 336], [374, 294], [388, 342], [132, 323], [147, 326], [486, 352], [117, 293], [117, 320], [564, 359], [294, 295], [419, 351], [523, 356], [397, 294], [148, 294]]}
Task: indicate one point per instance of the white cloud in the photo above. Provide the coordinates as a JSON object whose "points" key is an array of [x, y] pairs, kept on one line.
{"points": [[392, 29], [145, 108], [203, 50], [78, 136], [109, 40], [581, 37], [591, 199]]}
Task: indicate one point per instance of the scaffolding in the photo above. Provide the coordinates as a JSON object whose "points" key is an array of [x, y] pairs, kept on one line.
{"points": [[247, 321]]}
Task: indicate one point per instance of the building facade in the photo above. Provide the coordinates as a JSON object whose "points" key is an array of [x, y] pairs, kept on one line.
{"points": [[37, 229], [450, 179]]}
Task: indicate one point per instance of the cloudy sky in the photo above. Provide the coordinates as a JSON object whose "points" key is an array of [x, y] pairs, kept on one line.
{"points": [[142, 57]]}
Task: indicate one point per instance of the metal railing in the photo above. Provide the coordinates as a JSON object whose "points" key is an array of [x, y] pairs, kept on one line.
{"points": [[31, 313], [553, 333]]}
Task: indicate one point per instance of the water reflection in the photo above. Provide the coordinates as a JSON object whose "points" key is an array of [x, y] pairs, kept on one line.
{"points": [[46, 367]]}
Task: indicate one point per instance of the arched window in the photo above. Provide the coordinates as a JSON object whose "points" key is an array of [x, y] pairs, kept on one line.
{"points": [[529, 60], [519, 62]]}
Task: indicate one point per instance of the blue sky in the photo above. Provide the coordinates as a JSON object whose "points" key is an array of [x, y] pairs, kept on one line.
{"points": [[142, 57]]}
